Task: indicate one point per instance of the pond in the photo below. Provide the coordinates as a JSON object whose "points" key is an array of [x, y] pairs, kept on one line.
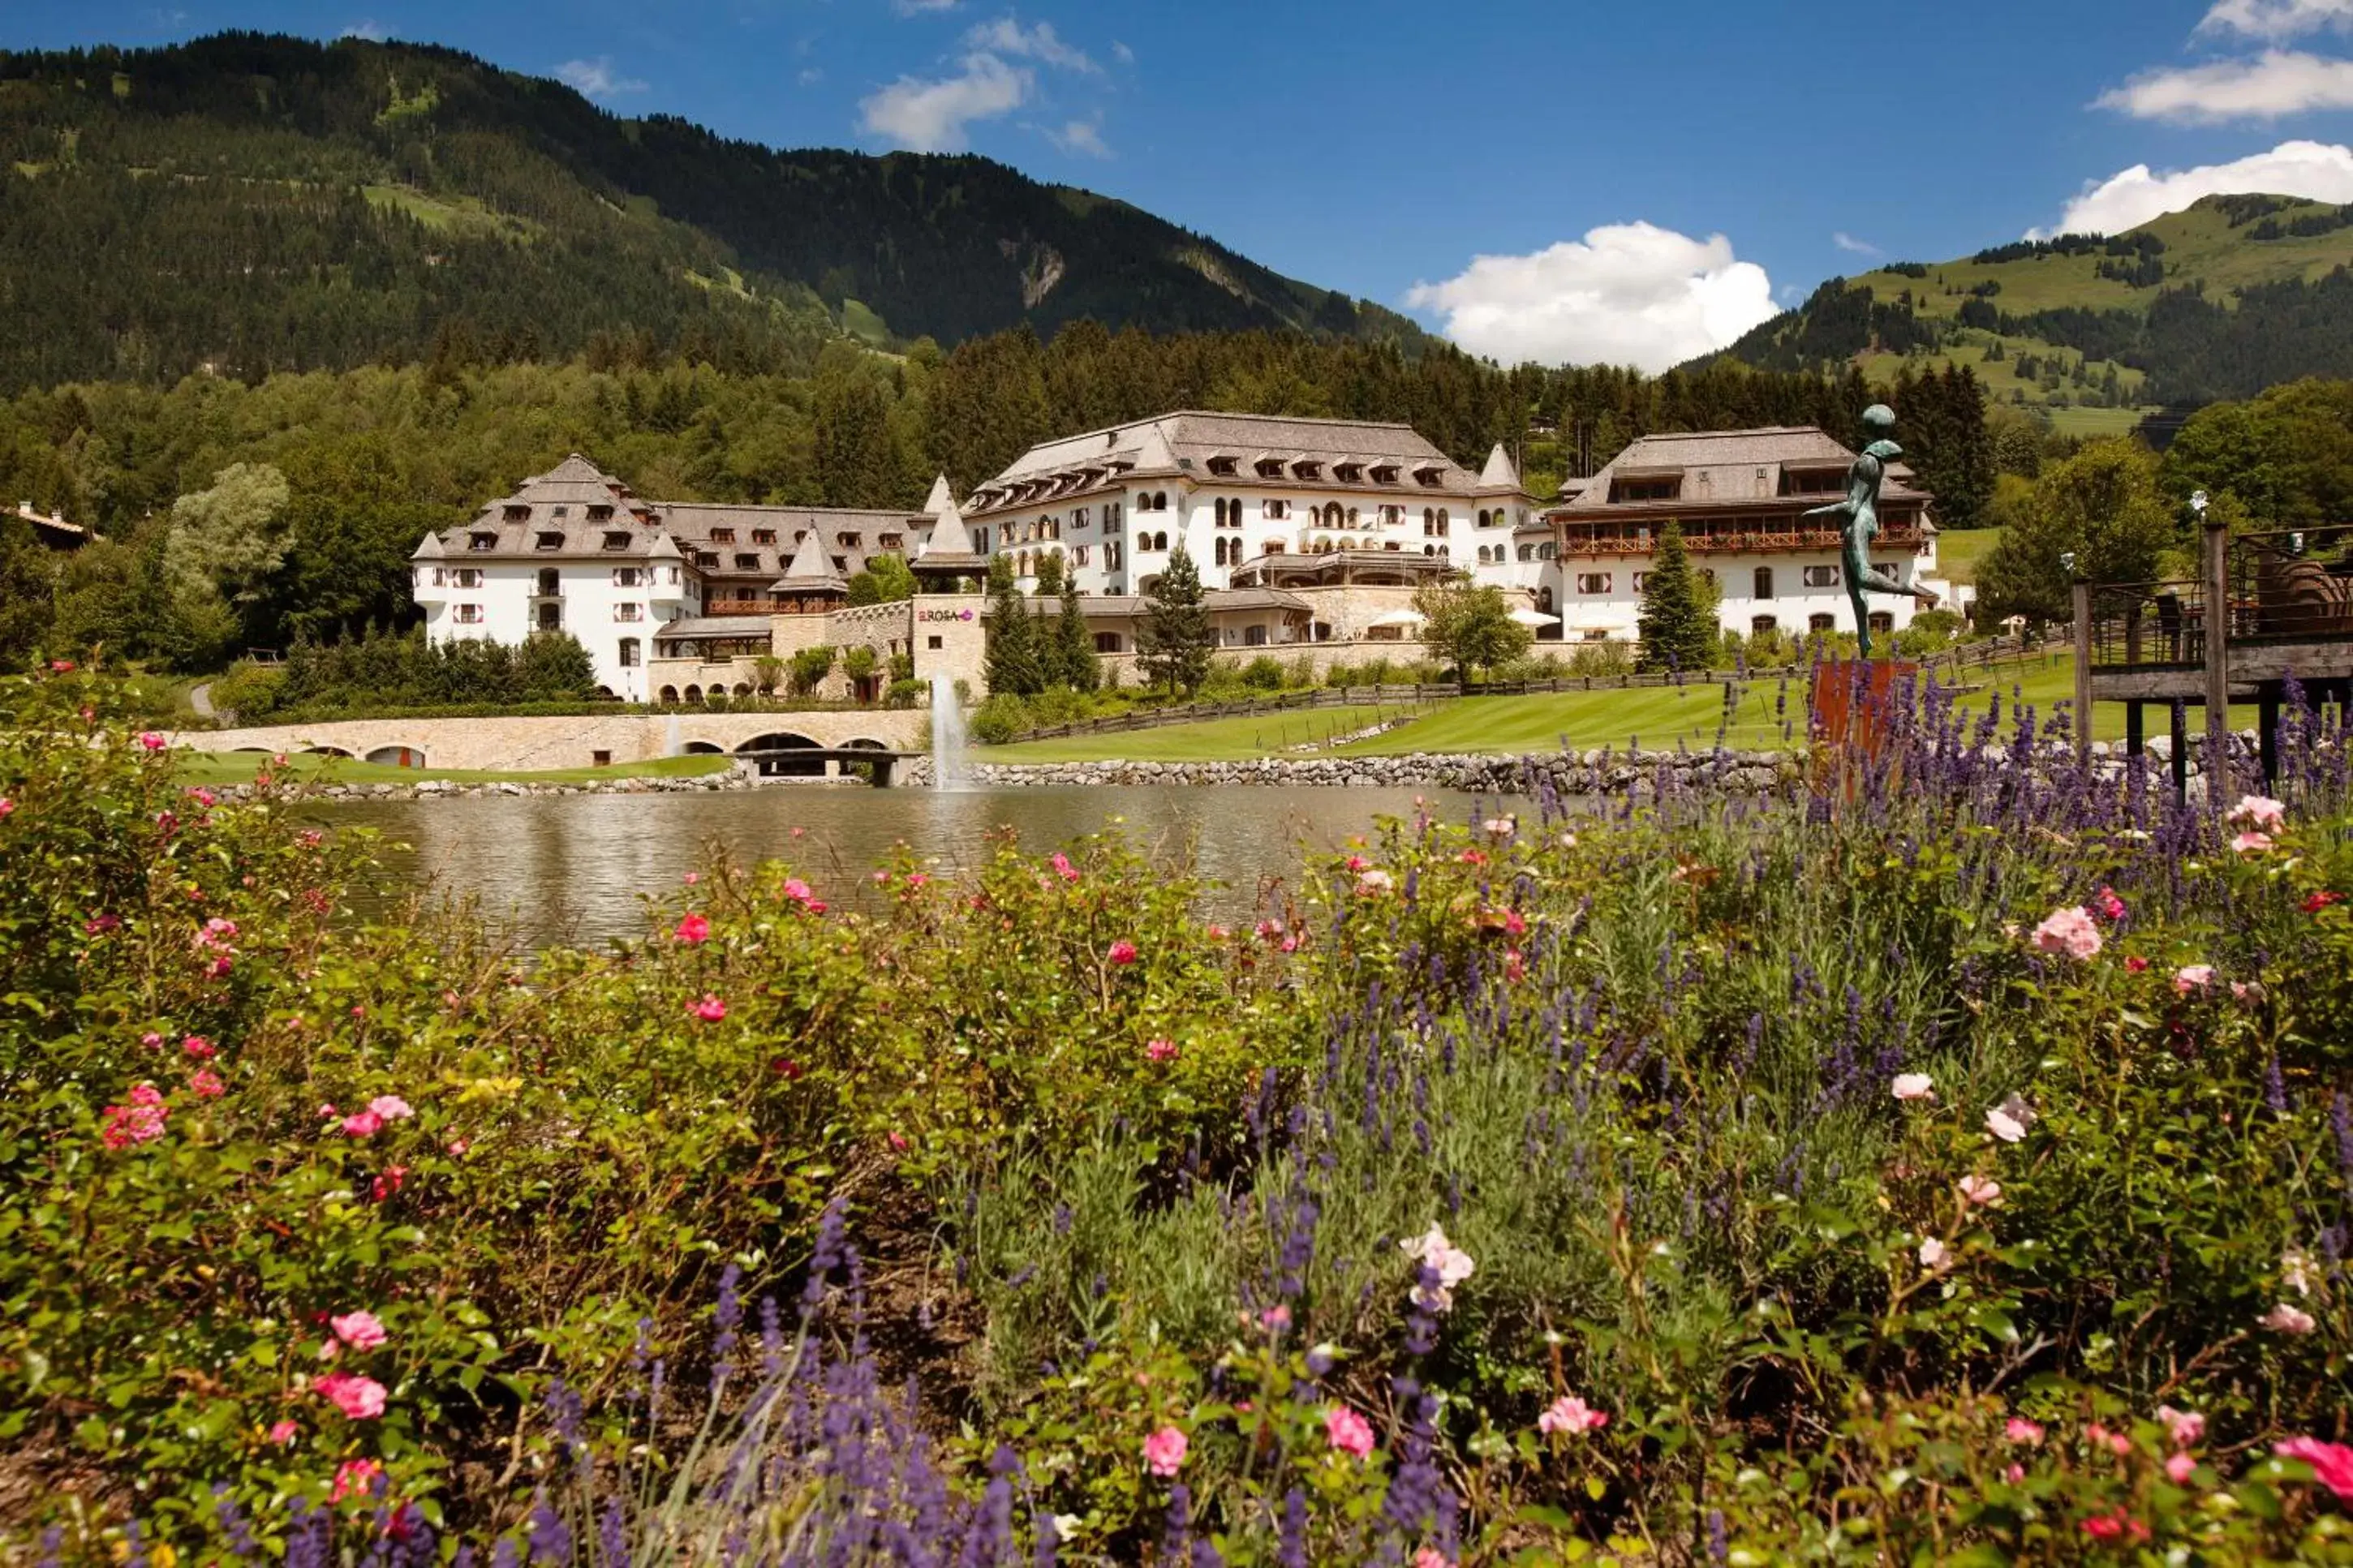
{"points": [[574, 867]]}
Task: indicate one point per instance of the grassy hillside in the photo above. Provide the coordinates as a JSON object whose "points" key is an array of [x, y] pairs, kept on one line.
{"points": [[2233, 295], [245, 204]]}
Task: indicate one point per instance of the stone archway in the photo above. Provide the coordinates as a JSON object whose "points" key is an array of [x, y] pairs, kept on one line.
{"points": [[785, 767]]}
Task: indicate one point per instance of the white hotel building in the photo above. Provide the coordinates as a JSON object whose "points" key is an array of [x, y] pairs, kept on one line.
{"points": [[1739, 496], [1308, 534]]}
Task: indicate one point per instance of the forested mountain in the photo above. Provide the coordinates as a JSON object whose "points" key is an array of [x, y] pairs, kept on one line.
{"points": [[2221, 300], [246, 204]]}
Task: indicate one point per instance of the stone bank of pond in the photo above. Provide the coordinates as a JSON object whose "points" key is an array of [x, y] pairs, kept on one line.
{"points": [[574, 867]]}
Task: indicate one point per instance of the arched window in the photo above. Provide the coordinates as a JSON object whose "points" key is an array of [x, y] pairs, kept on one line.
{"points": [[1544, 600], [1221, 511], [1331, 515], [1160, 500], [1443, 526], [1527, 553], [1429, 522], [1483, 517], [670, 694]]}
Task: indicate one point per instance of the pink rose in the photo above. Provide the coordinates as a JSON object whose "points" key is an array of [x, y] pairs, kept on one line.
{"points": [[2179, 1468], [1163, 1451], [1912, 1085], [361, 1330], [2332, 1462], [1979, 1191], [361, 1398], [694, 930], [711, 1009], [2251, 843], [354, 1477], [2070, 930], [1347, 1432], [207, 1084], [2107, 905], [1160, 1050], [2284, 1318], [2192, 977], [1570, 1415], [2259, 812], [151, 740], [1063, 869], [2019, 1429], [199, 1046], [363, 1124], [391, 1106], [1123, 951], [284, 1432]]}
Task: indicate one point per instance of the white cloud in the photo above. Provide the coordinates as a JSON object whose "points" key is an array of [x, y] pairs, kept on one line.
{"points": [[917, 7], [931, 116], [1122, 53], [371, 32], [594, 77], [1625, 294], [1081, 136], [2275, 83], [810, 76], [1848, 242], [2276, 19], [1007, 37], [2319, 171]]}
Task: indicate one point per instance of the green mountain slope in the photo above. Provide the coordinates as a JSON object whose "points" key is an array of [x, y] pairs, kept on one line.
{"points": [[250, 203], [2235, 294]]}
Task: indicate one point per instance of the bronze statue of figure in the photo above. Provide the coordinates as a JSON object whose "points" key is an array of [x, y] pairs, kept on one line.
{"points": [[1861, 511]]}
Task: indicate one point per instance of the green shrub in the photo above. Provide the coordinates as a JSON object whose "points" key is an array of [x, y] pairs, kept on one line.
{"points": [[1262, 674]]}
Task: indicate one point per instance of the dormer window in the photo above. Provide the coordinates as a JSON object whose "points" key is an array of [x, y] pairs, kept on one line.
{"points": [[747, 564], [723, 536], [1384, 474], [1224, 467], [847, 541], [518, 514], [764, 536], [598, 513], [617, 541], [481, 542], [706, 558], [1666, 488], [1308, 470], [1347, 473], [1270, 467], [1427, 475], [548, 542], [891, 542]]}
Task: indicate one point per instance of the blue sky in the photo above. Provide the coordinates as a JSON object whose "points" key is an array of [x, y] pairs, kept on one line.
{"points": [[1642, 180]]}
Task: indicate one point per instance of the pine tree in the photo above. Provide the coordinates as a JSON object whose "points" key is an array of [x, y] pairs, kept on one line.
{"points": [[1677, 633], [1075, 664], [1013, 666], [1175, 640]]}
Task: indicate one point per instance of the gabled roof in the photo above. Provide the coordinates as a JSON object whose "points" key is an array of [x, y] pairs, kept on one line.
{"points": [[1187, 441], [1724, 468]]}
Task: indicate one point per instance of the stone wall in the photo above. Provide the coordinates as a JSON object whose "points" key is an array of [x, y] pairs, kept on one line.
{"points": [[531, 744], [1592, 773]]}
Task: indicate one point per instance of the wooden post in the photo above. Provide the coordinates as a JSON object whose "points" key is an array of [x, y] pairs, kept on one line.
{"points": [[2135, 729], [2179, 713], [2267, 730], [2218, 660], [2083, 596]]}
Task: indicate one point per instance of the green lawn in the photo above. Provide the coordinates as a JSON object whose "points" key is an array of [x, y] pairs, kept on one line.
{"points": [[1210, 740], [238, 767], [1651, 717], [1959, 552]]}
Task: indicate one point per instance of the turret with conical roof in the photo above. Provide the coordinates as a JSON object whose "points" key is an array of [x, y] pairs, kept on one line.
{"points": [[1499, 475], [809, 582]]}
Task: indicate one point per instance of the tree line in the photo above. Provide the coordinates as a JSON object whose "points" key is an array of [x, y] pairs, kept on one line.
{"points": [[362, 464]]}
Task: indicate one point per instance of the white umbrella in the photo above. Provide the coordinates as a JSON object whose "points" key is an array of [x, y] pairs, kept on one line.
{"points": [[1399, 618], [1528, 617]]}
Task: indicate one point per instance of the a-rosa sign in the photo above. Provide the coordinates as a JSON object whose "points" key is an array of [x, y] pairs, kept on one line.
{"points": [[943, 616]]}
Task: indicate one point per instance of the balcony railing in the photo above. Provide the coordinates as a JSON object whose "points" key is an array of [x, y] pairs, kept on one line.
{"points": [[1889, 540], [2139, 624], [2292, 585]]}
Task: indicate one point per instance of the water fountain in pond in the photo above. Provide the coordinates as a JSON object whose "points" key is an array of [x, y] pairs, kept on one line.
{"points": [[947, 735]]}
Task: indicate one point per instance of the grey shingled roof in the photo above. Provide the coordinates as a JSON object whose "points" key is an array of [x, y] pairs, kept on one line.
{"points": [[1181, 444], [691, 627], [1719, 468], [575, 485]]}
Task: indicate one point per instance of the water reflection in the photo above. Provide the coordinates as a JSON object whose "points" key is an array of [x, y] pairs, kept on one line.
{"points": [[573, 867]]}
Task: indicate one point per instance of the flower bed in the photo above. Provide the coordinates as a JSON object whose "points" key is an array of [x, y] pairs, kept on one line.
{"points": [[1960, 1172]]}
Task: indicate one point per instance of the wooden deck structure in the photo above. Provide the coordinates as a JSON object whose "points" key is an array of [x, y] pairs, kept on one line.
{"points": [[2265, 610]]}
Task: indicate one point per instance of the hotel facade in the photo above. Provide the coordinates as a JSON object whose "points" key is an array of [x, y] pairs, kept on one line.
{"points": [[1310, 535]]}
